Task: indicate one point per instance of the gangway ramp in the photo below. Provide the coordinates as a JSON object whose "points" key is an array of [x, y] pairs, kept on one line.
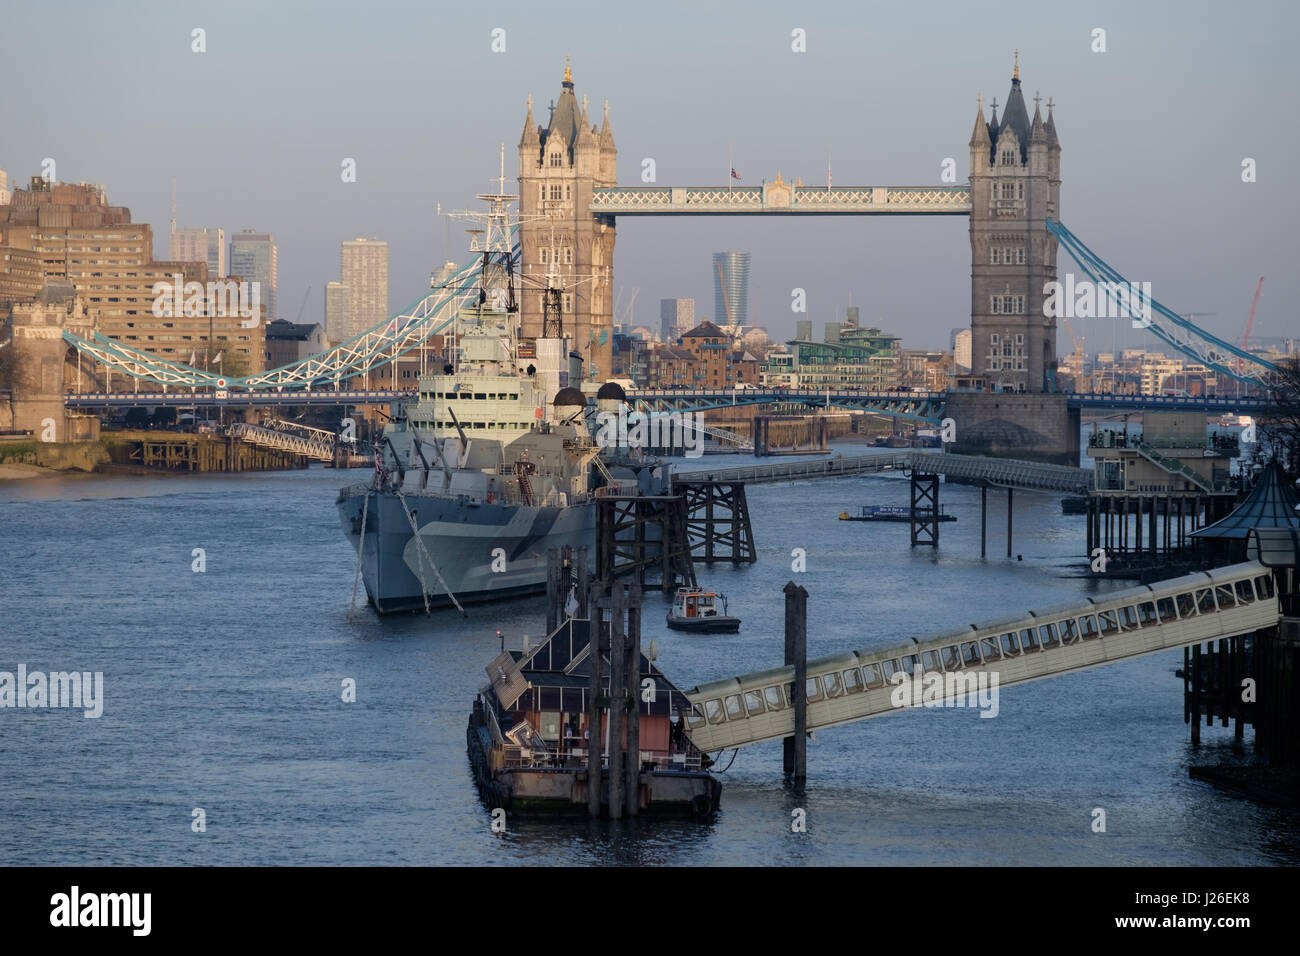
{"points": [[857, 685], [319, 445]]}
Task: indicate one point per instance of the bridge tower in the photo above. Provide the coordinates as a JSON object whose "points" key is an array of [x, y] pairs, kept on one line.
{"points": [[559, 166], [1015, 177]]}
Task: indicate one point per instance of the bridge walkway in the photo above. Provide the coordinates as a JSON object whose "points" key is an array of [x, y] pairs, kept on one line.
{"points": [[1005, 473], [315, 446], [856, 685]]}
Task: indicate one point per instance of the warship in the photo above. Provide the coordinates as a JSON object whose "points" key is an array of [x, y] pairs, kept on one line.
{"points": [[490, 466]]}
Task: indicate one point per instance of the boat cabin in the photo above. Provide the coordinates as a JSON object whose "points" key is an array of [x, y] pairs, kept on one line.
{"points": [[693, 603]]}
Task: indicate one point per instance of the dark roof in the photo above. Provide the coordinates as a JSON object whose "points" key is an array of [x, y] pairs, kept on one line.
{"points": [[284, 329], [565, 119], [705, 328], [569, 396], [1016, 117], [1270, 504], [611, 390]]}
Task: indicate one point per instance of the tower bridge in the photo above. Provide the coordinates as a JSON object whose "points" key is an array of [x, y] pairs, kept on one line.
{"points": [[569, 205]]}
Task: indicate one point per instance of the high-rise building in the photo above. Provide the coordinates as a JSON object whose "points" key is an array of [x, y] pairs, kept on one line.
{"points": [[338, 311], [803, 330], [188, 245], [5, 195], [253, 256], [851, 317], [71, 233], [218, 267], [675, 317], [364, 270], [961, 350], [731, 288], [1015, 187], [559, 167]]}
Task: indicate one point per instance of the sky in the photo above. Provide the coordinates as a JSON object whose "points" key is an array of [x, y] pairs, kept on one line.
{"points": [[254, 131]]}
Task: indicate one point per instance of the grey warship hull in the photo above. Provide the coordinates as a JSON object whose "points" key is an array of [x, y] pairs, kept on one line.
{"points": [[483, 552]]}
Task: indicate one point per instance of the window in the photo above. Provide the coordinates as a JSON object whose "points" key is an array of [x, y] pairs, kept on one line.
{"points": [[1009, 646], [568, 255], [568, 191], [952, 657], [1146, 613], [995, 338], [813, 689], [1107, 623], [1047, 636], [1264, 586], [1128, 618], [1020, 190], [556, 162], [930, 661], [1224, 593], [833, 686], [1205, 600], [871, 675], [970, 654], [852, 681], [1020, 338], [546, 256], [734, 710], [772, 696], [1165, 607], [989, 648], [1186, 604], [889, 669], [1244, 594], [1088, 627], [1028, 642], [713, 708], [996, 256], [753, 702], [695, 717], [910, 663]]}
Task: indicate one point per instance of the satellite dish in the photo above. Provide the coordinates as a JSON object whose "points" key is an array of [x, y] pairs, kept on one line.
{"points": [[654, 645]]}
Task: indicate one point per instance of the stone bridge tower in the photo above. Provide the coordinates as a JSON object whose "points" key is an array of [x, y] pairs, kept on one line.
{"points": [[1015, 179], [559, 166]]}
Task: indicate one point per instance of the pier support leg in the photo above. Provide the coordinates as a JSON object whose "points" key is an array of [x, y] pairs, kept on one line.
{"points": [[553, 598], [584, 584], [1010, 509], [984, 520], [594, 772], [632, 669], [796, 653], [617, 699], [1153, 526], [1137, 526], [1196, 694]]}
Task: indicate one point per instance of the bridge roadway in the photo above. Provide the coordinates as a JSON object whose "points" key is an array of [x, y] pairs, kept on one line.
{"points": [[950, 667], [1001, 472], [912, 406]]}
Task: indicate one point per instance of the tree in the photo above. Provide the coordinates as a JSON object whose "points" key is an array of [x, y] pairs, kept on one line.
{"points": [[1279, 425]]}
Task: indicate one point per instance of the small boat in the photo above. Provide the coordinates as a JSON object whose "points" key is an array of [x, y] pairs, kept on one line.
{"points": [[889, 513], [701, 611]]}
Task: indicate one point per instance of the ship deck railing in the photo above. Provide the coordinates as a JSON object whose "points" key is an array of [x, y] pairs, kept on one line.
{"points": [[525, 758]]}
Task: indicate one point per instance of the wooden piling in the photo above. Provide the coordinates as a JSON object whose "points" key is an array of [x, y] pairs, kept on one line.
{"points": [[617, 698], [633, 670], [984, 521], [796, 653], [1010, 492], [594, 772]]}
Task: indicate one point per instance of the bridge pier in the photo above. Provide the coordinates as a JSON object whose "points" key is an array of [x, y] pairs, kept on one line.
{"points": [[925, 509], [795, 749]]}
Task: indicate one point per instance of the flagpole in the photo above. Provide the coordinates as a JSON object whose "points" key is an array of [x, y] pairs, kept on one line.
{"points": [[731, 164]]}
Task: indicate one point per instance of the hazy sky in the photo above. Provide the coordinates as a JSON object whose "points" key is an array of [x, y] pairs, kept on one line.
{"points": [[1153, 133]]}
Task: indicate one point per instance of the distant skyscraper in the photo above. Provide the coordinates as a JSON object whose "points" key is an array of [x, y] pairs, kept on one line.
{"points": [[731, 288], [675, 317], [5, 194], [199, 245], [833, 332], [253, 258], [188, 245], [961, 350], [217, 268], [803, 330], [364, 268], [338, 311], [851, 317]]}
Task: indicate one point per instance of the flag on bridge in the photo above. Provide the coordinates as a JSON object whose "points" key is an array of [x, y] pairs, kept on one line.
{"points": [[193, 358], [734, 174]]}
